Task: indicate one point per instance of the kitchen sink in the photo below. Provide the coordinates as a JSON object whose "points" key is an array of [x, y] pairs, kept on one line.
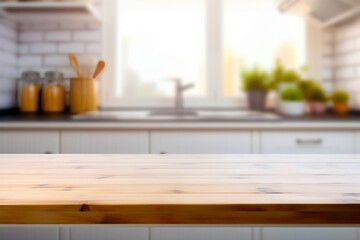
{"points": [[169, 115]]}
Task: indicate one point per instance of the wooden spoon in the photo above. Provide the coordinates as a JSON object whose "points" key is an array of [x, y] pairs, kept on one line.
{"points": [[75, 64], [99, 68]]}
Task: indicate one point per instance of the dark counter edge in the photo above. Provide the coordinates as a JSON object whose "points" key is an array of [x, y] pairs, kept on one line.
{"points": [[13, 115]]}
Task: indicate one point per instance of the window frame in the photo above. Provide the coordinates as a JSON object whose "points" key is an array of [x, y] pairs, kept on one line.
{"points": [[214, 63]]}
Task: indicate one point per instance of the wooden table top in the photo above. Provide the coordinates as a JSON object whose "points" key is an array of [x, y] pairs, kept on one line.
{"points": [[180, 189]]}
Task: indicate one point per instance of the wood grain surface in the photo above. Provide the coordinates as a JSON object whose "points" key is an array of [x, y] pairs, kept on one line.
{"points": [[180, 189]]}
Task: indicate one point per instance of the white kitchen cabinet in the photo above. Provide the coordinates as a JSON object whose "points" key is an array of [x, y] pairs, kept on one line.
{"points": [[201, 233], [309, 233], [31, 142], [201, 142], [103, 142], [307, 142], [29, 233], [109, 233], [357, 144]]}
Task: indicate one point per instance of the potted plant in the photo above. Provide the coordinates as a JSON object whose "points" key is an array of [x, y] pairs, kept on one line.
{"points": [[256, 84], [292, 103], [317, 100], [281, 78], [306, 86], [341, 102]]}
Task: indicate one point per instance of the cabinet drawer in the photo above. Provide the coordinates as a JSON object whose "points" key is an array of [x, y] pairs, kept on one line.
{"points": [[102, 142], [310, 233], [29, 233], [200, 142], [199, 233], [109, 233], [306, 142], [29, 142]]}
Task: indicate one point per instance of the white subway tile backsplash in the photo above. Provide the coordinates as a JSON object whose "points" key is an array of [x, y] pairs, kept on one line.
{"points": [[328, 62], [44, 26], [345, 46], [7, 31], [8, 72], [30, 61], [73, 26], [352, 85], [67, 71], [71, 47], [30, 36], [93, 48], [51, 51], [8, 45], [45, 48], [327, 74], [347, 59], [56, 61], [87, 35], [348, 32], [7, 58], [327, 50], [328, 86], [8, 85], [25, 26], [339, 84], [328, 37], [8, 61], [345, 73], [357, 71], [23, 48], [93, 25], [7, 100], [58, 36]]}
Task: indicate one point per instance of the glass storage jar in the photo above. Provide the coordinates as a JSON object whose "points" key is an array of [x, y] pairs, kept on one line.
{"points": [[53, 93], [29, 91]]}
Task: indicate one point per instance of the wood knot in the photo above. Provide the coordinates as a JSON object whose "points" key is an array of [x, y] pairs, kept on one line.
{"points": [[84, 208]]}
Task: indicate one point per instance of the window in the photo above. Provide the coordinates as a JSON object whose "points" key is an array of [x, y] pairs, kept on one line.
{"points": [[254, 32], [204, 42]]}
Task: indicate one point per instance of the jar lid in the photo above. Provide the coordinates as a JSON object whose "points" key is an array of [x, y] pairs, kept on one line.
{"points": [[31, 75], [54, 75]]}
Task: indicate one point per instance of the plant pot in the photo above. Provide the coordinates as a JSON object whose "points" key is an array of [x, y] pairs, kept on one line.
{"points": [[317, 108], [341, 109], [293, 108], [280, 88], [257, 100]]}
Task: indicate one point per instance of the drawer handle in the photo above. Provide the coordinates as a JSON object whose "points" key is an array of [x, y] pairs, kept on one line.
{"points": [[309, 142]]}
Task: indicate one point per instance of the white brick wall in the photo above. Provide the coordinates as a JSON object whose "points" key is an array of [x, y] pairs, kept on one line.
{"points": [[347, 60], [57, 36], [44, 47], [8, 61]]}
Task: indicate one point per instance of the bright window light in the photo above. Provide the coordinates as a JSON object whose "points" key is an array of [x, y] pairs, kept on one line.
{"points": [[255, 32], [160, 40]]}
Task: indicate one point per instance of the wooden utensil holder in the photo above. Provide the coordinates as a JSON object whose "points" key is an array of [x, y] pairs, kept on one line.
{"points": [[83, 95]]}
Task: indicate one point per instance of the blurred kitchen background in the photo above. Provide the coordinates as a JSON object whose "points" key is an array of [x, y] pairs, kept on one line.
{"points": [[189, 76], [207, 43]]}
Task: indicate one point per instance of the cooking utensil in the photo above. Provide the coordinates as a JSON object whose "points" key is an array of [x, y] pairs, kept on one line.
{"points": [[99, 68], [75, 64]]}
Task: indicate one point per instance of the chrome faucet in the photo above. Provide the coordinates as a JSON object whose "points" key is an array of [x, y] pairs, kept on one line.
{"points": [[179, 109], [179, 96]]}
